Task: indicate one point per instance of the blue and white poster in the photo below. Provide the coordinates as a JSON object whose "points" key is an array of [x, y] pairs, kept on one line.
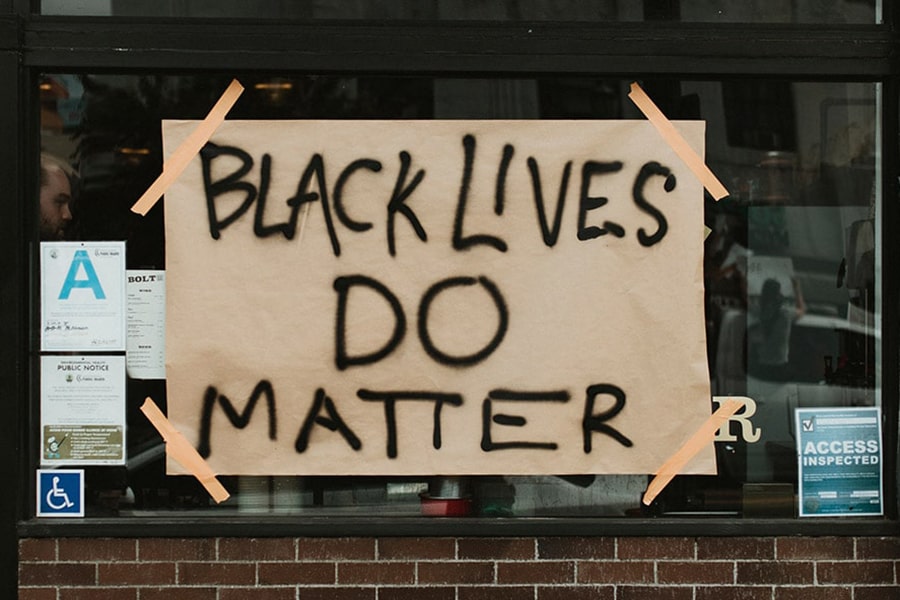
{"points": [[60, 493], [839, 455], [82, 296]]}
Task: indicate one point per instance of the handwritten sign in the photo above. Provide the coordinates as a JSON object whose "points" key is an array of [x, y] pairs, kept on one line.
{"points": [[436, 297]]}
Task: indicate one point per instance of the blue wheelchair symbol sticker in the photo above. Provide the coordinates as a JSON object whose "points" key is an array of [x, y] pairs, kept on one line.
{"points": [[60, 493]]}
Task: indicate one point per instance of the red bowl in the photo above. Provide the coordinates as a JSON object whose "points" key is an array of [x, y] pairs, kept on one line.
{"points": [[445, 507]]}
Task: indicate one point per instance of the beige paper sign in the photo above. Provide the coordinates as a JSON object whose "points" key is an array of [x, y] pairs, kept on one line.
{"points": [[436, 297]]}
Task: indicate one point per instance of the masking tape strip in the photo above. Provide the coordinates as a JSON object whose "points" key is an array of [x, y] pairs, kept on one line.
{"points": [[677, 142], [188, 149], [182, 451], [701, 438]]}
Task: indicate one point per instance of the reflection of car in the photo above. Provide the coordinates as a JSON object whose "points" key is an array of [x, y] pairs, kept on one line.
{"points": [[806, 381], [822, 347]]}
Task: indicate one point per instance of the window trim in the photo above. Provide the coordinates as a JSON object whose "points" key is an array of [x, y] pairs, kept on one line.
{"points": [[31, 44], [852, 52], [305, 524]]}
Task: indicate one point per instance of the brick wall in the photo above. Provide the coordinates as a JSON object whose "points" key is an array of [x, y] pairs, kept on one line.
{"points": [[466, 568]]}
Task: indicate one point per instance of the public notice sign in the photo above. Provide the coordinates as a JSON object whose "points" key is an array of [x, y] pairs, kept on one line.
{"points": [[82, 410], [436, 297], [839, 460]]}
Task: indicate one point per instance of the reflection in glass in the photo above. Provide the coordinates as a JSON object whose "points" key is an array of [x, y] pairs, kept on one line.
{"points": [[789, 327], [791, 266]]}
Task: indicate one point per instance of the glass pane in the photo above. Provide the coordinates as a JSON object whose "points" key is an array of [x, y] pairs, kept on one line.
{"points": [[792, 268], [705, 11], [792, 276]]}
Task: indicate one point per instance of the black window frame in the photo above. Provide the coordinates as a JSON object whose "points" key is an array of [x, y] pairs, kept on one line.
{"points": [[31, 44]]}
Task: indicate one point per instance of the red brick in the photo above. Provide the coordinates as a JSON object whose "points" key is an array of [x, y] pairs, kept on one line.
{"points": [[694, 572], [136, 573], [256, 549], [163, 549], [891, 592], [309, 573], [496, 548], [336, 549], [97, 594], [194, 573], [257, 594], [325, 593], [647, 592], [577, 593], [812, 593], [536, 572], [815, 548], [576, 547], [386, 573], [37, 593], [775, 572], [456, 573], [173, 593], [496, 593], [655, 548], [615, 571], [416, 593], [36, 574], [855, 572], [418, 548], [717, 592], [38, 549], [738, 548], [878, 547], [99, 549]]}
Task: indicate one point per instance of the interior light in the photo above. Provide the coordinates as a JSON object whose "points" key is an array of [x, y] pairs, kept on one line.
{"points": [[271, 86]]}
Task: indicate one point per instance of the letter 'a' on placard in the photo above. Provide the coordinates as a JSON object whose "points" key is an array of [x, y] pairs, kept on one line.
{"points": [[436, 297], [83, 296]]}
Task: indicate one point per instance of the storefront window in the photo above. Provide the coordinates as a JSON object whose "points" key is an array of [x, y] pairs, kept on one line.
{"points": [[703, 11], [792, 266]]}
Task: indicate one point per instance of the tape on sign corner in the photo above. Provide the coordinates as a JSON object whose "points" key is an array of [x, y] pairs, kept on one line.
{"points": [[675, 141], [704, 436], [178, 448], [188, 149]]}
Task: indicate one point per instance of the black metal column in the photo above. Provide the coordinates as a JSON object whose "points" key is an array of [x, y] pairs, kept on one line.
{"points": [[13, 397]]}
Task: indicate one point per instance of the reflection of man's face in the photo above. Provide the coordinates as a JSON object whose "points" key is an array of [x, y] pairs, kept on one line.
{"points": [[56, 194]]}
